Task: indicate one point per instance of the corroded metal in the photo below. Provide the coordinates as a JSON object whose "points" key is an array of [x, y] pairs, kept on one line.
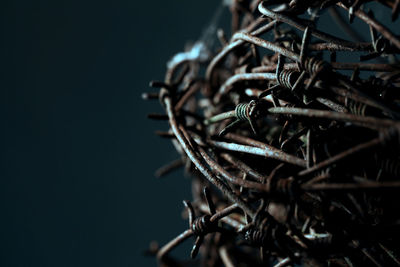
{"points": [[300, 156]]}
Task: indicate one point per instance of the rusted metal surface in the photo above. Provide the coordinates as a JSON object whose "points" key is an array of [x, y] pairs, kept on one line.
{"points": [[299, 159]]}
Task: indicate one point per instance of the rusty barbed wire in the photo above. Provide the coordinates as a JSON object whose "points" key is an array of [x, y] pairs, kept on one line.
{"points": [[300, 156]]}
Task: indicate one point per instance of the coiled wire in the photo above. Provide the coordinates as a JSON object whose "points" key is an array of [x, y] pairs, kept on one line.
{"points": [[287, 78], [355, 107], [313, 64], [242, 111], [202, 225]]}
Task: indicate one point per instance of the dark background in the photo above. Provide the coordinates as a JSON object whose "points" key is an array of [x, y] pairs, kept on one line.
{"points": [[77, 152]]}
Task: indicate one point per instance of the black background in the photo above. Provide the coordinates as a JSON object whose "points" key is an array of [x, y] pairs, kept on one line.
{"points": [[77, 152]]}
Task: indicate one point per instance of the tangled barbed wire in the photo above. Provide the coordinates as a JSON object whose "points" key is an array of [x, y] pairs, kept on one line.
{"points": [[298, 150]]}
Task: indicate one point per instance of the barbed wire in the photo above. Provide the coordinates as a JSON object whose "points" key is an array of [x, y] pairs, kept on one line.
{"points": [[314, 179]]}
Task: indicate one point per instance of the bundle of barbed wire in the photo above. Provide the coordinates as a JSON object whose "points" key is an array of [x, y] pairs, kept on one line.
{"points": [[293, 154]]}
